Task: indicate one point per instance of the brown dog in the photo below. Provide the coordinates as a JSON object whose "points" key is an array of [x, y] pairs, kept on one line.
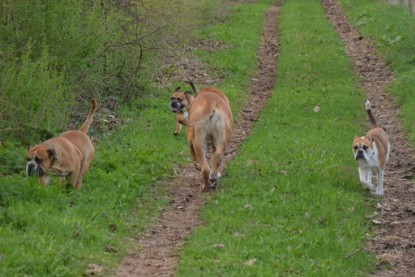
{"points": [[180, 103], [210, 123], [371, 152], [70, 155]]}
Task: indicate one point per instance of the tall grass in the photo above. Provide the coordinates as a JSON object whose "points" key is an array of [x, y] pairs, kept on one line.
{"points": [[55, 52], [392, 30], [290, 203]]}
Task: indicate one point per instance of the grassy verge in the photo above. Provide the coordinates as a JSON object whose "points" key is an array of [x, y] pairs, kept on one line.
{"points": [[392, 29], [54, 232], [291, 203]]}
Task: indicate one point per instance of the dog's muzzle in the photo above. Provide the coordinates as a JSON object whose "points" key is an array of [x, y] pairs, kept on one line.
{"points": [[32, 169], [176, 106], [360, 155]]}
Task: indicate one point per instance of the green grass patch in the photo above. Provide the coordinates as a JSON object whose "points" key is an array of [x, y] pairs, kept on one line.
{"points": [[291, 202], [53, 232], [239, 34], [392, 29]]}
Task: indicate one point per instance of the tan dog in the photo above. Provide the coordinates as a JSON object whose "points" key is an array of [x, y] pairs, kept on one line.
{"points": [[180, 103], [70, 155], [371, 152], [210, 119]]}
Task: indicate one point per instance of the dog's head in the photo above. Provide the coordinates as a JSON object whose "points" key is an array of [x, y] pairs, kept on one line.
{"points": [[362, 148], [180, 101], [39, 159]]}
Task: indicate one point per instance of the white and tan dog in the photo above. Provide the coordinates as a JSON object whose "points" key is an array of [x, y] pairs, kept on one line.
{"points": [[70, 155], [210, 123], [371, 152]]}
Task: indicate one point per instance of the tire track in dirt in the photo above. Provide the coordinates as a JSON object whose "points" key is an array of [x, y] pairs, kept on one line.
{"points": [[394, 241], [159, 246]]}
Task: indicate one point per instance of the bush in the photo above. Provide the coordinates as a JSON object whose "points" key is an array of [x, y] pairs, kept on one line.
{"points": [[55, 52], [33, 97]]}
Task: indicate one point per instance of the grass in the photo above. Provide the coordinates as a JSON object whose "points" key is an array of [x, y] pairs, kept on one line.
{"points": [[53, 232], [392, 29], [290, 203]]}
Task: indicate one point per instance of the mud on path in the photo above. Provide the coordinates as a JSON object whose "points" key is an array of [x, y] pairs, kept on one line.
{"points": [[159, 247], [394, 222]]}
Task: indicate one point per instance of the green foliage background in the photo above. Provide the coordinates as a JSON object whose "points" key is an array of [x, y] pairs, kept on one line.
{"points": [[53, 53]]}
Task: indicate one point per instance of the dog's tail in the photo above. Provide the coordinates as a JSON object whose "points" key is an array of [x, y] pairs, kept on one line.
{"points": [[193, 87], [194, 122], [85, 127], [371, 117]]}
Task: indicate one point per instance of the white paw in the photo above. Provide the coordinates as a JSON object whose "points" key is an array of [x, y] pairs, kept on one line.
{"points": [[367, 185], [379, 192]]}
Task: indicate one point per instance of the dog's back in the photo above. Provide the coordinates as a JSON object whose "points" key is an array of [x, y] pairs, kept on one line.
{"points": [[379, 135], [208, 101], [215, 91]]}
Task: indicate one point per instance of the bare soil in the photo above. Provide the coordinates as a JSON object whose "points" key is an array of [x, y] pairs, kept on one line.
{"points": [[160, 246], [394, 221]]}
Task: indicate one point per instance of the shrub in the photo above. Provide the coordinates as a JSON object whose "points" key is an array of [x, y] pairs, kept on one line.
{"points": [[34, 102]]}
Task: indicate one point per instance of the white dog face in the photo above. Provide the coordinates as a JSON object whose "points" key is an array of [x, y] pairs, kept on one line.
{"points": [[362, 148]]}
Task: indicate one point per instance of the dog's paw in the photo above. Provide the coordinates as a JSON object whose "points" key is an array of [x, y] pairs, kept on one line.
{"points": [[176, 133], [379, 192], [197, 166], [367, 185], [213, 183], [204, 188]]}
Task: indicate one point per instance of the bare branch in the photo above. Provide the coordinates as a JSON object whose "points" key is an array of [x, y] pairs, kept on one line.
{"points": [[133, 41]]}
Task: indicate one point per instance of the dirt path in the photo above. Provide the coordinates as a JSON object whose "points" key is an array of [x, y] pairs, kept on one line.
{"points": [[394, 241], [159, 247]]}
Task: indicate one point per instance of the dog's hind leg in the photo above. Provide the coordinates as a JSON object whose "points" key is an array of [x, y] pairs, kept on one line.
{"points": [[189, 135], [195, 162], [215, 163], [76, 179], [200, 151]]}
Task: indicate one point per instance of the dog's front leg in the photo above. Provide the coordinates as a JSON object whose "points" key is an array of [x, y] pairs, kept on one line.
{"points": [[379, 188], [178, 125], [178, 128], [365, 176], [44, 180]]}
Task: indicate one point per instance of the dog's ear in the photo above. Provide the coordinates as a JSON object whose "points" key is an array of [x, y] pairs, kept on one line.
{"points": [[177, 89], [371, 139], [51, 153]]}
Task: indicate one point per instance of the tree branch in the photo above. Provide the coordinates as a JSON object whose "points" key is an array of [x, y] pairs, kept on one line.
{"points": [[133, 41]]}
